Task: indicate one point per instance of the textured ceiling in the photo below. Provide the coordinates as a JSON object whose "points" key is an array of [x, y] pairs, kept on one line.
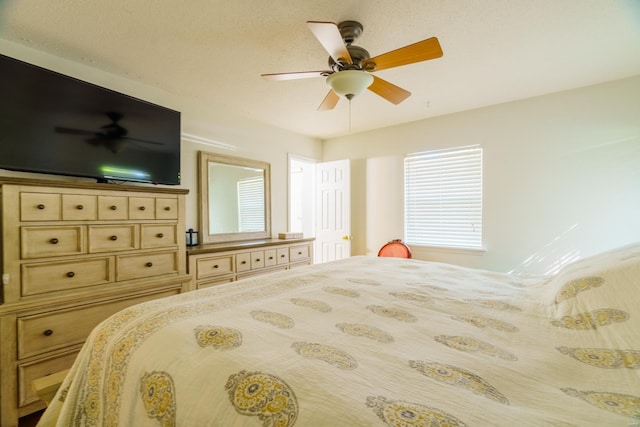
{"points": [[214, 51]]}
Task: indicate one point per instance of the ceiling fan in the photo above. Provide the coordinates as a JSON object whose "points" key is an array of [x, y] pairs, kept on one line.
{"points": [[112, 136], [350, 65]]}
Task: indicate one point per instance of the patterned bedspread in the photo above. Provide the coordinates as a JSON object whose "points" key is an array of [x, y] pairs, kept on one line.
{"points": [[372, 342]]}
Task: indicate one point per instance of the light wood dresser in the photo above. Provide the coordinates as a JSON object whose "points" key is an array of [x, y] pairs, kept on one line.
{"points": [[214, 264], [73, 253]]}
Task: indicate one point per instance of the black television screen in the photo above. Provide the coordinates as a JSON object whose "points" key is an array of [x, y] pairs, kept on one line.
{"points": [[55, 124]]}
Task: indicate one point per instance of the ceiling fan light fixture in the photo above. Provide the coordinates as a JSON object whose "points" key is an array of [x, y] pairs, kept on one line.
{"points": [[349, 83]]}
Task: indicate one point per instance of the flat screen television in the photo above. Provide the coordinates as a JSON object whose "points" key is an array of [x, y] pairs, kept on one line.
{"points": [[55, 124]]}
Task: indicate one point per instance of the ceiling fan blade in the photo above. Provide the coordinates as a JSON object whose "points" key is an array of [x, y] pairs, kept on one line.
{"points": [[388, 91], [146, 141], [329, 37], [417, 52], [295, 75], [330, 101]]}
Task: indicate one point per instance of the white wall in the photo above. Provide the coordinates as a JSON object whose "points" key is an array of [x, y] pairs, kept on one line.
{"points": [[246, 138], [561, 176]]}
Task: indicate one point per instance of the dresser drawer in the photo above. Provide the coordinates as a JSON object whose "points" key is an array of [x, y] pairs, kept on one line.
{"points": [[158, 236], [39, 242], [32, 371], [214, 267], [40, 207], [108, 238], [166, 208], [299, 253], [257, 260], [53, 330], [243, 262], [79, 207], [282, 255], [113, 208], [142, 207], [40, 278], [146, 265], [270, 257]]}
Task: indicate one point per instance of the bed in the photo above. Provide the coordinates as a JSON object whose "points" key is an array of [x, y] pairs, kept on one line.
{"points": [[370, 341]]}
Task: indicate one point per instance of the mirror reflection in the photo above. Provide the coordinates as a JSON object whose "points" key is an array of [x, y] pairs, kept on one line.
{"points": [[238, 192], [234, 198]]}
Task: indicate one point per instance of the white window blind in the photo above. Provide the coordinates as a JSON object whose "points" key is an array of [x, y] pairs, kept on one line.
{"points": [[251, 204], [443, 198]]}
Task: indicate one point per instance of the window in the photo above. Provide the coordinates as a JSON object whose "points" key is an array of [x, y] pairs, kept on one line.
{"points": [[251, 204], [443, 198]]}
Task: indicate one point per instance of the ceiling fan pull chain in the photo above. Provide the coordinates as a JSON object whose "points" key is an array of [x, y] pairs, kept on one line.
{"points": [[349, 115]]}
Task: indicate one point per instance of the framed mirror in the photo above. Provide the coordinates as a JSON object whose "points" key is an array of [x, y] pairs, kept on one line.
{"points": [[234, 195]]}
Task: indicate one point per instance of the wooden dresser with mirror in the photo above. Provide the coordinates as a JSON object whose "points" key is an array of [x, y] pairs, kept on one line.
{"points": [[234, 197]]}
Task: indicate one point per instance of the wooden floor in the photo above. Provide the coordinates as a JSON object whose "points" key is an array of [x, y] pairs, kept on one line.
{"points": [[30, 420]]}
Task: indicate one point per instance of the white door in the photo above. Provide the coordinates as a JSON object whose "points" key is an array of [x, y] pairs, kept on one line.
{"points": [[333, 204]]}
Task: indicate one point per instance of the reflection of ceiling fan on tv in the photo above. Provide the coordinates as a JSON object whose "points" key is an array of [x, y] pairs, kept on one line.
{"points": [[350, 65], [112, 136]]}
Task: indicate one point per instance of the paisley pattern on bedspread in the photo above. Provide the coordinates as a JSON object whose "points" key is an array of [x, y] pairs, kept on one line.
{"points": [[412, 296], [360, 330], [342, 291], [456, 376], [326, 353], [591, 320], [487, 322], [574, 287], [394, 313], [495, 304], [622, 404], [322, 307], [158, 396], [265, 396], [276, 319], [472, 345], [604, 358], [398, 413], [218, 337]]}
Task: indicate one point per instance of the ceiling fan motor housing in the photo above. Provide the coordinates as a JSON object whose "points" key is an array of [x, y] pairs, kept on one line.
{"points": [[350, 31], [358, 54]]}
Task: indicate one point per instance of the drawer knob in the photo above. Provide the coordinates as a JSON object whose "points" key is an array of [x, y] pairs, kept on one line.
{"points": [[114, 237], [71, 274], [243, 262], [142, 208], [282, 256], [149, 264], [53, 241], [270, 257], [113, 208], [40, 206], [299, 253], [257, 259], [167, 208], [159, 235], [79, 207], [216, 266], [48, 332]]}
